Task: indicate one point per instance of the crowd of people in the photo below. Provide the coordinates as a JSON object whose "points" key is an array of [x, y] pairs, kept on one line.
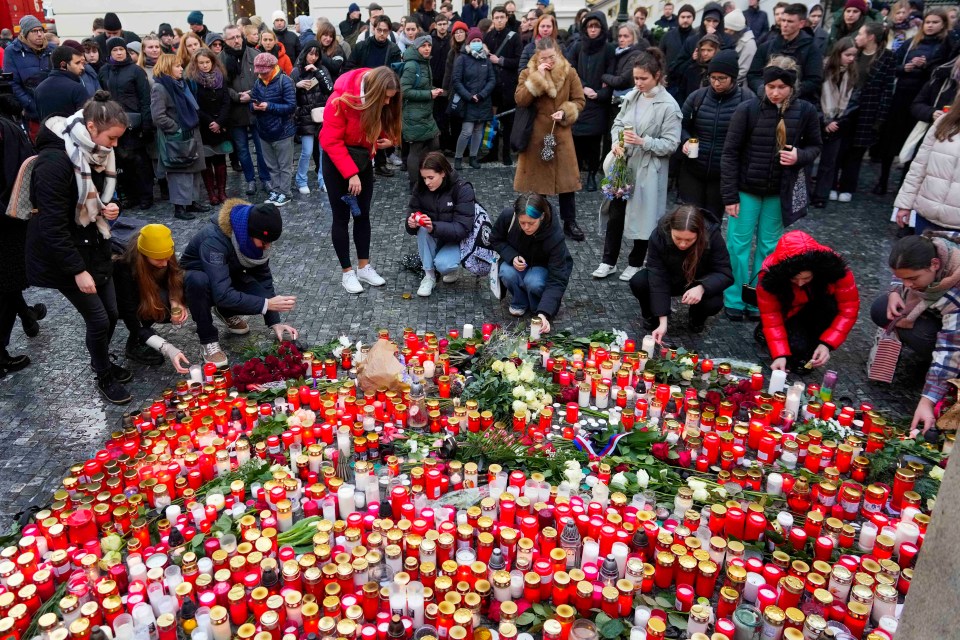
{"points": [[735, 115]]}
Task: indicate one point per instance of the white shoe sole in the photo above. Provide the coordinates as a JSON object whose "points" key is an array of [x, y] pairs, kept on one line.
{"points": [[599, 276], [352, 291], [372, 283]]}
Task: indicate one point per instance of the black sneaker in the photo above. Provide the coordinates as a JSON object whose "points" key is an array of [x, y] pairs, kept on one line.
{"points": [[31, 324], [180, 213], [735, 315], [111, 389], [11, 363], [573, 230], [143, 354], [384, 171], [120, 374], [199, 207], [281, 200]]}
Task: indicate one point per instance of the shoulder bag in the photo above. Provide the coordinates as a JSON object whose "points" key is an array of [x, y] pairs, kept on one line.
{"points": [[177, 150], [884, 354], [522, 128]]}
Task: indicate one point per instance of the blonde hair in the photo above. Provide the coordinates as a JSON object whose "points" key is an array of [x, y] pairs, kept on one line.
{"points": [[142, 60], [165, 64], [377, 119], [266, 33], [789, 64]]}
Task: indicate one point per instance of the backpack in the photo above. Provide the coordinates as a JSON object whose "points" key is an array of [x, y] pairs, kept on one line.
{"points": [[476, 254], [20, 205], [398, 69]]}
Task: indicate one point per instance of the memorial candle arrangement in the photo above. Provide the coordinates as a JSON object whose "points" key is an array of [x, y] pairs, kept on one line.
{"points": [[334, 511]]}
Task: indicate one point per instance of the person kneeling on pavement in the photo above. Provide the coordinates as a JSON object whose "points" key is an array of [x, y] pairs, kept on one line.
{"points": [[808, 302], [441, 214], [227, 273], [149, 285], [687, 257], [535, 264]]}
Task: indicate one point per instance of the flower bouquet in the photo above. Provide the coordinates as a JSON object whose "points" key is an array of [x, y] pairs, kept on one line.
{"points": [[617, 184], [286, 364]]}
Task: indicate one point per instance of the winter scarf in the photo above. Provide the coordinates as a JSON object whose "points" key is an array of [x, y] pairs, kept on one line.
{"points": [[948, 277], [835, 98], [591, 46], [232, 60], [479, 55], [183, 101], [247, 253], [85, 155], [210, 80]]}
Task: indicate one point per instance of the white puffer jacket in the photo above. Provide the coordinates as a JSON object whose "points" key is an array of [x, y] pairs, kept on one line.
{"points": [[932, 186]]}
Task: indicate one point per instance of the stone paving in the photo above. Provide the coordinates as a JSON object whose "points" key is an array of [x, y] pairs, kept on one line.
{"points": [[51, 414]]}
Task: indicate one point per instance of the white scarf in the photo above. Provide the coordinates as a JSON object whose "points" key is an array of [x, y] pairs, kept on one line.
{"points": [[85, 155], [834, 99]]}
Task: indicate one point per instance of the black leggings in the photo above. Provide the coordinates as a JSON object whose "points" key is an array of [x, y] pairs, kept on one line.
{"points": [[588, 151], [339, 232], [614, 237], [568, 206], [12, 305], [99, 311]]}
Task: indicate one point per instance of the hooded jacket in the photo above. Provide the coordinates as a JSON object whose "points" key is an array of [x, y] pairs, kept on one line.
{"points": [[309, 99], [706, 117], [665, 268], [592, 59], [348, 27], [909, 82], [416, 85], [451, 208], [932, 186], [804, 51], [937, 93], [545, 248], [57, 247], [128, 84], [778, 298], [61, 94], [29, 69], [621, 78], [128, 36], [276, 123], [212, 251], [341, 124]]}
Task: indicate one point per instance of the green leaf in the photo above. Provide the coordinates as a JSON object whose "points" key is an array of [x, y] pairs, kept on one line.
{"points": [[677, 620], [538, 608], [663, 602], [611, 629], [526, 618], [602, 619], [647, 600]]}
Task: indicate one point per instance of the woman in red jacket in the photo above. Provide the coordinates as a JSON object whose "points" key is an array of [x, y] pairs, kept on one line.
{"points": [[808, 302], [361, 116]]}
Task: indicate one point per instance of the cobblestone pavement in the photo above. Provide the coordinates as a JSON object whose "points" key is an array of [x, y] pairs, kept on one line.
{"points": [[52, 416]]}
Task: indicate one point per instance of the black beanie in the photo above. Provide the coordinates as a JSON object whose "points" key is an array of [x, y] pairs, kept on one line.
{"points": [[111, 22], [687, 8], [264, 223], [115, 41], [725, 62], [165, 30]]}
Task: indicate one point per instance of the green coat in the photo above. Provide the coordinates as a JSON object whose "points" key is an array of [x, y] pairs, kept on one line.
{"points": [[418, 122]]}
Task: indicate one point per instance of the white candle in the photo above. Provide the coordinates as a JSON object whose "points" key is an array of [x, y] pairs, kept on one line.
{"points": [[620, 551], [906, 532], [535, 328], [583, 394], [415, 603], [516, 584], [467, 331], [429, 369], [640, 617], [794, 394], [648, 344], [329, 509], [345, 500], [778, 380], [172, 513], [785, 520], [907, 514], [591, 551], [868, 536], [751, 586], [788, 459], [603, 396], [196, 373], [398, 599], [774, 481]]}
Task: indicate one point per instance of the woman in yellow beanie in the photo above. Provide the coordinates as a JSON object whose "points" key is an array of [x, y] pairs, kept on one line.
{"points": [[149, 284]]}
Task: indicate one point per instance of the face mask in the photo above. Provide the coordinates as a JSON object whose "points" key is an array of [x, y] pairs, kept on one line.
{"points": [[476, 47]]}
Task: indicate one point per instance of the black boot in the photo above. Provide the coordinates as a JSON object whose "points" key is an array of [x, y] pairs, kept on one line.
{"points": [[591, 181], [199, 207], [142, 353], [11, 363], [474, 163], [572, 229], [111, 389], [180, 213], [31, 320], [458, 163]]}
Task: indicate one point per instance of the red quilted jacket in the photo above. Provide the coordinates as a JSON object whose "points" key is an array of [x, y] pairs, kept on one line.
{"points": [[341, 124], [796, 251]]}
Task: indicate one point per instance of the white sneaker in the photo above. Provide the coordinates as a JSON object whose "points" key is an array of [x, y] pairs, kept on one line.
{"points": [[833, 195], [628, 273], [350, 282], [604, 270], [426, 286], [304, 190], [395, 160], [517, 311], [369, 275], [453, 276], [845, 197]]}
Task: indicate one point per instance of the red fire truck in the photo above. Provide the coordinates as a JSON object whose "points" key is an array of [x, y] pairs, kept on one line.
{"points": [[12, 10]]}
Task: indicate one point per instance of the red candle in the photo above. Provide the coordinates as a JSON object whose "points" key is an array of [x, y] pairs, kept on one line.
{"points": [[823, 548], [685, 596], [734, 522], [756, 383], [756, 524], [573, 412]]}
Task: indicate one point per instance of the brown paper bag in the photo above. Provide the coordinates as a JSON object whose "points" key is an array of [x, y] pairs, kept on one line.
{"points": [[380, 368]]}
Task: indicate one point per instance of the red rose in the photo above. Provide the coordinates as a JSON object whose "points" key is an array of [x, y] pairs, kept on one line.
{"points": [[660, 450], [684, 459], [714, 398]]}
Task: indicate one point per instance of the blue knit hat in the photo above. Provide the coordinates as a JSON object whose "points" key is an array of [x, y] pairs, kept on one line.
{"points": [[353, 7], [195, 17]]}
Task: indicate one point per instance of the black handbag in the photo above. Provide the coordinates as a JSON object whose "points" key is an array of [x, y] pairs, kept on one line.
{"points": [[360, 157], [457, 106], [748, 292], [178, 150], [522, 128]]}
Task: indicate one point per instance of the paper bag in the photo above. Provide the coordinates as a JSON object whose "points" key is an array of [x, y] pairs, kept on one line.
{"points": [[380, 368]]}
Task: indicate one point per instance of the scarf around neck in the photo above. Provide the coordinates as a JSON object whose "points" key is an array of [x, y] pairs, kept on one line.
{"points": [[247, 253], [183, 101], [210, 79], [86, 155], [479, 55], [948, 277], [835, 98]]}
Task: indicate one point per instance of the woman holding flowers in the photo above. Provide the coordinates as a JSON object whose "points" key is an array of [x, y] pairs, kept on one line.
{"points": [[648, 130]]}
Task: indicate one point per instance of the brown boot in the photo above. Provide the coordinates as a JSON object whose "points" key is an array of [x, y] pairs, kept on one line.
{"points": [[208, 183], [220, 173]]}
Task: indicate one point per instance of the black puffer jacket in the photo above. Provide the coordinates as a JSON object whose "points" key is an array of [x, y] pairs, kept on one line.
{"points": [[937, 93], [592, 59], [665, 267], [545, 248], [128, 85], [57, 247], [750, 161], [706, 117], [622, 75], [315, 96], [474, 76], [451, 208]]}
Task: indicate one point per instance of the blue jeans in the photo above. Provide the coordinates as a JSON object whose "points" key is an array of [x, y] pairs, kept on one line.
{"points": [[306, 153], [434, 255], [241, 142], [525, 286]]}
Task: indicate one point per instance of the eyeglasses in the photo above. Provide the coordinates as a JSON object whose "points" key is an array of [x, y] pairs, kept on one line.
{"points": [[36, 30], [382, 30], [719, 79]]}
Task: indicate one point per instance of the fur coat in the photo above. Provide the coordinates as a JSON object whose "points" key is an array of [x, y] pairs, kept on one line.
{"points": [[560, 90]]}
